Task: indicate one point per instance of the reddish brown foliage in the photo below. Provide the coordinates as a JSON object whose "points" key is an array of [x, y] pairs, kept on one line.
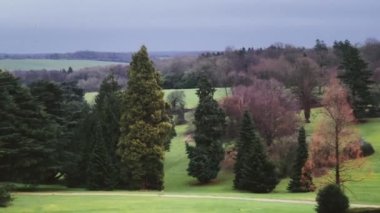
{"points": [[273, 109]]}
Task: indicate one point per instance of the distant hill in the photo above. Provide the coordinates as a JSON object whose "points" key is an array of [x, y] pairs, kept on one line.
{"points": [[97, 56]]}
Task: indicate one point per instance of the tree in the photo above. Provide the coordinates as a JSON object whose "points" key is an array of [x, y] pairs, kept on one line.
{"points": [[355, 75], [273, 109], [304, 80], [26, 134], [176, 99], [101, 173], [145, 126], [334, 140], [299, 181], [321, 50], [253, 172], [331, 199], [209, 122]]}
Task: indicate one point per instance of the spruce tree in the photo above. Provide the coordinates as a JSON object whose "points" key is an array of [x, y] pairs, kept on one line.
{"points": [[145, 126], [297, 180], [355, 75], [208, 152], [253, 171]]}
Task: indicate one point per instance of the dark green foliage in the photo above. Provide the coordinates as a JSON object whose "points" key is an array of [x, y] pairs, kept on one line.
{"points": [[101, 173], [297, 180], [209, 122], [5, 196], [26, 134], [355, 75], [176, 99], [364, 210], [145, 126], [367, 148], [331, 199], [253, 172]]}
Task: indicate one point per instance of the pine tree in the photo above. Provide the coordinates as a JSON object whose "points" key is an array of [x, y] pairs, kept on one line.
{"points": [[145, 126], [208, 152], [253, 171], [298, 182], [355, 75]]}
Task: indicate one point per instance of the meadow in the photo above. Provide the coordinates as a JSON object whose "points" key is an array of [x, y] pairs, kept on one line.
{"points": [[50, 64], [183, 193]]}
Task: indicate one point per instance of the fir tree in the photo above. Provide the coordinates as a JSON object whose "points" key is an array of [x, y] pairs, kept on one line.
{"points": [[145, 126], [355, 75], [298, 182], [208, 152], [253, 171]]}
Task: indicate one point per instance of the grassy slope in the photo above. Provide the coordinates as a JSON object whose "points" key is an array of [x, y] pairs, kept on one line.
{"points": [[38, 64]]}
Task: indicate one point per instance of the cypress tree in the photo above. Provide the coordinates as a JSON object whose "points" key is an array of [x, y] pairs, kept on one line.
{"points": [[208, 152], [253, 171], [145, 126], [297, 180]]}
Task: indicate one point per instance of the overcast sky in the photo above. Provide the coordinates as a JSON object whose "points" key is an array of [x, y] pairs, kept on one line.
{"points": [[30, 26]]}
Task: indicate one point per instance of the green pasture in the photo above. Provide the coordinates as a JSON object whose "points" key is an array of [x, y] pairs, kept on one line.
{"points": [[50, 64]]}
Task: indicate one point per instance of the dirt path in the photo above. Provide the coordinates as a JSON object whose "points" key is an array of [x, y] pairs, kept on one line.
{"points": [[184, 196]]}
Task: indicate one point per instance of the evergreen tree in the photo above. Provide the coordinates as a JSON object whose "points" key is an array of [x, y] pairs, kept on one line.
{"points": [[145, 126], [297, 180], [208, 152], [355, 75], [253, 172], [25, 134], [101, 173]]}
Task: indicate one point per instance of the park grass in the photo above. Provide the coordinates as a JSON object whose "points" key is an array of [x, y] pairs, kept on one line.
{"points": [[50, 64], [136, 204], [191, 97]]}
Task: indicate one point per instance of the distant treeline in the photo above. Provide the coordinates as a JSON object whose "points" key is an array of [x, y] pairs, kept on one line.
{"points": [[88, 79], [94, 55]]}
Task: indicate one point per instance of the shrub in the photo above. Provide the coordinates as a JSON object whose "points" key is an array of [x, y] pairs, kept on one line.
{"points": [[364, 210], [5, 196], [367, 148], [331, 199]]}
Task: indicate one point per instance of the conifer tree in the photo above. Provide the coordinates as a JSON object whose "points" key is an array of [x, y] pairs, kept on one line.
{"points": [[101, 173], [253, 171], [355, 75], [145, 126], [25, 134], [297, 180], [208, 152]]}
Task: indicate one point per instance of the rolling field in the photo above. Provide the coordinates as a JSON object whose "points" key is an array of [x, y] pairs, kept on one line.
{"points": [[183, 194], [49, 64]]}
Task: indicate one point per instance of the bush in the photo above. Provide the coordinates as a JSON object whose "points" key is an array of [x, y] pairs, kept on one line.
{"points": [[364, 210], [5, 196], [367, 148], [331, 199]]}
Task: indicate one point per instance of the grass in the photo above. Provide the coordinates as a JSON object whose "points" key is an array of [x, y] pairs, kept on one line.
{"points": [[191, 97], [144, 205], [49, 64]]}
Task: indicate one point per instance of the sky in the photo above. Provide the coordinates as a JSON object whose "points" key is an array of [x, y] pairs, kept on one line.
{"points": [[45, 26]]}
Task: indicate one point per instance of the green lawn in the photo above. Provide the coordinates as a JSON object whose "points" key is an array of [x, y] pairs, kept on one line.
{"points": [[191, 97], [85, 203], [49, 64]]}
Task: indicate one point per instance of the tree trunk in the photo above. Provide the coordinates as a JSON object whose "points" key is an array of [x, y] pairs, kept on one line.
{"points": [[337, 163]]}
